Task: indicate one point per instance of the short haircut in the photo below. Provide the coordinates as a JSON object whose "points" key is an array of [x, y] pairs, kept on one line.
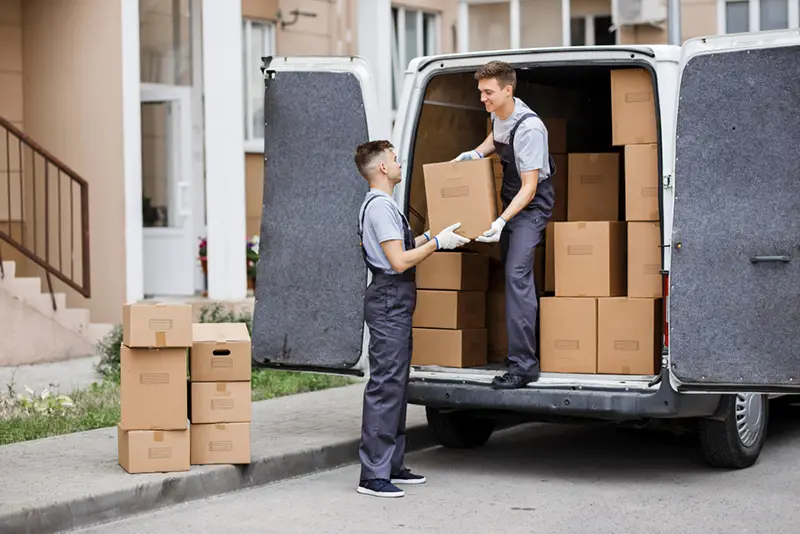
{"points": [[501, 71], [367, 152]]}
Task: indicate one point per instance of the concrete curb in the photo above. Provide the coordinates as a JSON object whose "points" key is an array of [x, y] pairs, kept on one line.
{"points": [[148, 497]]}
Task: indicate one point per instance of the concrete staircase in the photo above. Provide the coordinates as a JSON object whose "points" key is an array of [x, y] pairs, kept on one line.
{"points": [[32, 332]]}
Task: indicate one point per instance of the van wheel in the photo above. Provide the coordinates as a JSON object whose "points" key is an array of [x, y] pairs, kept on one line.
{"points": [[736, 441], [459, 429]]}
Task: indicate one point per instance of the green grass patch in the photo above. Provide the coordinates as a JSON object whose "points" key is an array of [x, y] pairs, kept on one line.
{"points": [[34, 415], [268, 384], [27, 415]]}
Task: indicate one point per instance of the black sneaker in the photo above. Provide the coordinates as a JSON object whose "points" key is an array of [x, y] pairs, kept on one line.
{"points": [[511, 381], [379, 487], [405, 476]]}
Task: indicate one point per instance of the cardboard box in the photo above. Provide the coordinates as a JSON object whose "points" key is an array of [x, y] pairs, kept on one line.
{"points": [[153, 451], [221, 352], [556, 134], [560, 186], [550, 259], [220, 443], [642, 184], [153, 393], [629, 336], [496, 330], [590, 259], [220, 402], [449, 348], [157, 325], [450, 309], [644, 260], [497, 275], [568, 332], [462, 192], [633, 110], [465, 271], [593, 189]]}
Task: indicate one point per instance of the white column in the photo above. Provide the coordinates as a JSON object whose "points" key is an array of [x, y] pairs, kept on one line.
{"points": [[132, 152], [224, 148], [514, 23], [566, 27], [463, 26], [374, 43]]}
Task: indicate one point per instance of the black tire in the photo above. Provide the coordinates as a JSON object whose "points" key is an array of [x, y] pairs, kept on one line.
{"points": [[721, 443], [459, 429]]}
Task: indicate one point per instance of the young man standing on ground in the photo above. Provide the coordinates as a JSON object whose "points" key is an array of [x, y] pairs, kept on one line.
{"points": [[391, 253], [520, 139]]}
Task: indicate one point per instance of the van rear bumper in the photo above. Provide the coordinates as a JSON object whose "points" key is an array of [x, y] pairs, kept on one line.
{"points": [[658, 402]]}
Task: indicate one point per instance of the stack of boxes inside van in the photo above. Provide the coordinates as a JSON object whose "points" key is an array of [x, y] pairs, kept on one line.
{"points": [[606, 313], [597, 269], [154, 435]]}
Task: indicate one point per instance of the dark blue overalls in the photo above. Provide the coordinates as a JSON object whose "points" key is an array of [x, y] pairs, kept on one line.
{"points": [[389, 304], [518, 243]]}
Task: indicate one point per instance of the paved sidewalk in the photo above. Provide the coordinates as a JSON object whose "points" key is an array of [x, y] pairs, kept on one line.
{"points": [[65, 482], [68, 375]]}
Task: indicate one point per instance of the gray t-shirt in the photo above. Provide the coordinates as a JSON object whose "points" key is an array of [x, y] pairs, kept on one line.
{"points": [[382, 222], [530, 141]]}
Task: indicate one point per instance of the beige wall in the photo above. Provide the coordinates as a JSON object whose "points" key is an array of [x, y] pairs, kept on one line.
{"points": [[11, 107], [72, 71]]}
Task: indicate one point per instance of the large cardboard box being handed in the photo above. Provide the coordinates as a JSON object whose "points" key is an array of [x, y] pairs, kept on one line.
{"points": [[462, 192]]}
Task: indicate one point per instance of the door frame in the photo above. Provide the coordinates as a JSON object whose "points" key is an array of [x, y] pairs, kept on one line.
{"points": [[183, 205]]}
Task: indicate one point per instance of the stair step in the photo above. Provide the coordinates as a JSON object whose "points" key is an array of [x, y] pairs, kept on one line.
{"points": [[97, 331], [74, 319], [26, 288], [44, 303], [9, 269]]}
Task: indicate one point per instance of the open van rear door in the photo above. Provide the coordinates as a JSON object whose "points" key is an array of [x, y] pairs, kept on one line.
{"points": [[735, 261], [311, 275]]}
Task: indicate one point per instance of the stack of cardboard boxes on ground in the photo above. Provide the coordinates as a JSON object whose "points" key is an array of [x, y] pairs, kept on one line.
{"points": [[153, 431], [605, 316], [220, 404], [154, 434]]}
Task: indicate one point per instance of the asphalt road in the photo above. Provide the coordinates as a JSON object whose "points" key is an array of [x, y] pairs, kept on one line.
{"points": [[535, 478]]}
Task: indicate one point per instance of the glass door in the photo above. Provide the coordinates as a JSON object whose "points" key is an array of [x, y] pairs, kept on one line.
{"points": [[168, 239]]}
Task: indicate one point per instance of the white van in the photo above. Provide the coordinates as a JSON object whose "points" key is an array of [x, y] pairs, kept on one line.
{"points": [[728, 117]]}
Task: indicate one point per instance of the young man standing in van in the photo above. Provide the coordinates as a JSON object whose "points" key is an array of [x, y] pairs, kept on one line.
{"points": [[391, 253], [520, 139]]}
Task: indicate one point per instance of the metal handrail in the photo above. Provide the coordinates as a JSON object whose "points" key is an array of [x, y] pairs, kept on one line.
{"points": [[31, 156]]}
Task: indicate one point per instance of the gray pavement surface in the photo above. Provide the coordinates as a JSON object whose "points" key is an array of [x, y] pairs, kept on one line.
{"points": [[535, 478], [67, 375], [73, 481]]}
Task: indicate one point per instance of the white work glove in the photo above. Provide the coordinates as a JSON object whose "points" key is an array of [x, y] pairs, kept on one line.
{"points": [[449, 239], [492, 235], [464, 156]]}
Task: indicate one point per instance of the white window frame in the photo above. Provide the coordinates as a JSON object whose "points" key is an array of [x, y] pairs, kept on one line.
{"points": [[588, 27], [399, 59], [254, 142], [754, 17]]}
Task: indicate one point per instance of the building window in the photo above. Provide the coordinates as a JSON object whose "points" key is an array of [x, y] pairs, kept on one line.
{"points": [[740, 16], [259, 41], [414, 34], [592, 30], [165, 41]]}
